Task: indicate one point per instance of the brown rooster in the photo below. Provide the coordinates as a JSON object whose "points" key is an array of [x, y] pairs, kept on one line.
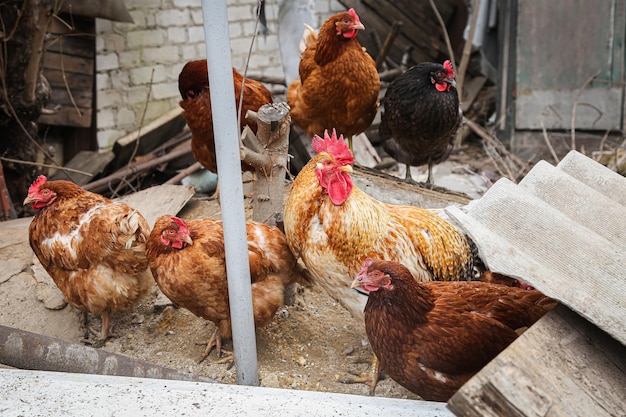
{"points": [[339, 83], [333, 226], [421, 116], [431, 337], [193, 84], [188, 264], [92, 247]]}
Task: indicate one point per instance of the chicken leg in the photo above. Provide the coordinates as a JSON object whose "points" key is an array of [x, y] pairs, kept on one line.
{"points": [[104, 330], [216, 341], [369, 377]]}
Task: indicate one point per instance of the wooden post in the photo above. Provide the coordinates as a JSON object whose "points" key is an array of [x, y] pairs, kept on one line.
{"points": [[268, 153]]}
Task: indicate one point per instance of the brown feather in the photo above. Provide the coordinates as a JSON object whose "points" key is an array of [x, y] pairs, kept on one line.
{"points": [[194, 277], [92, 247], [338, 85], [196, 103], [431, 337]]}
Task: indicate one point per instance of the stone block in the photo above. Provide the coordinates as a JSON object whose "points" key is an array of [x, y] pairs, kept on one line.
{"points": [[106, 62], [196, 34], [167, 18], [143, 38], [176, 35]]}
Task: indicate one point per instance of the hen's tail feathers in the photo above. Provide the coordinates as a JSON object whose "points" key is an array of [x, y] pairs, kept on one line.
{"points": [[304, 277], [308, 37], [478, 265]]}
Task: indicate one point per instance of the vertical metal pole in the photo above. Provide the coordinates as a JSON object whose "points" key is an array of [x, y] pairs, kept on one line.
{"points": [[231, 189]]}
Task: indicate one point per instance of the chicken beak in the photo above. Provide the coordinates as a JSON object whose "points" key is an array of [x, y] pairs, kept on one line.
{"points": [[356, 283], [451, 81], [358, 26], [187, 239], [347, 168], [28, 200]]}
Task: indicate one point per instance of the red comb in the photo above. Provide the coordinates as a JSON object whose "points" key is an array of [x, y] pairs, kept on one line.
{"points": [[354, 15], [335, 146], [448, 67], [34, 187], [181, 224]]}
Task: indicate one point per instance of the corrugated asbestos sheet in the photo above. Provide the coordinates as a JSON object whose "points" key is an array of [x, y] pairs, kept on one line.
{"points": [[563, 230]]}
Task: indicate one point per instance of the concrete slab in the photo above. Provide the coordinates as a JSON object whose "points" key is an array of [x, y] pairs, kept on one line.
{"points": [[37, 393]]}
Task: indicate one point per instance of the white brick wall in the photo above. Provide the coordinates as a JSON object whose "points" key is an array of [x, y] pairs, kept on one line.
{"points": [[166, 34]]}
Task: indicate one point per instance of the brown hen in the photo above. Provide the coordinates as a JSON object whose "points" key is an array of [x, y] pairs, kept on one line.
{"points": [[339, 84], [193, 84], [188, 263], [431, 337], [92, 247]]}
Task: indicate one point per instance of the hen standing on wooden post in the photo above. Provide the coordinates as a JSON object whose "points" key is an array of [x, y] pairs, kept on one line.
{"points": [[193, 84], [92, 247], [420, 116], [431, 337], [334, 226], [188, 262], [339, 84]]}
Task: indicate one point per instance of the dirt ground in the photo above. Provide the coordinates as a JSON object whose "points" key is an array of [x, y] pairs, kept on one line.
{"points": [[308, 346]]}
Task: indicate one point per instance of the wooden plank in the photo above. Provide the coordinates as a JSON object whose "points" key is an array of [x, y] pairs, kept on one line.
{"points": [[393, 190], [66, 63], [87, 161], [75, 44], [82, 98], [420, 28], [159, 200], [150, 136], [73, 80], [67, 116], [561, 366]]}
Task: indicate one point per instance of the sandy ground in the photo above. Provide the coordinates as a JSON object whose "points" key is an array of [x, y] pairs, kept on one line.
{"points": [[308, 346]]}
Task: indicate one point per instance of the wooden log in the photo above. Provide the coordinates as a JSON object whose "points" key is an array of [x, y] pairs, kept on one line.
{"points": [[269, 149]]}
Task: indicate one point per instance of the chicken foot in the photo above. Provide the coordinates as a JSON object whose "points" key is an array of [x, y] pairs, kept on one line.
{"points": [[216, 342], [104, 334], [369, 377]]}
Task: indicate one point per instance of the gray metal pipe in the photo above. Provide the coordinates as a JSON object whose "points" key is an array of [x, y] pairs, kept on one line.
{"points": [[231, 188], [26, 350]]}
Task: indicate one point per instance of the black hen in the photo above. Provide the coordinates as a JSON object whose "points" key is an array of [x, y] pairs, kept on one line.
{"points": [[420, 117]]}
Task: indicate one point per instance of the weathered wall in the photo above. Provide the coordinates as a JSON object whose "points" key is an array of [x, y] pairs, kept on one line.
{"points": [[139, 63]]}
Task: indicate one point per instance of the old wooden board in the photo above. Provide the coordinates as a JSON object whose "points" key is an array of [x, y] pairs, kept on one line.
{"points": [[159, 200], [561, 366], [392, 190], [420, 28], [148, 137], [69, 65], [87, 161]]}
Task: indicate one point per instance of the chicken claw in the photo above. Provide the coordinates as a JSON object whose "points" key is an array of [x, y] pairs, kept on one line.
{"points": [[105, 332], [216, 341], [369, 377]]}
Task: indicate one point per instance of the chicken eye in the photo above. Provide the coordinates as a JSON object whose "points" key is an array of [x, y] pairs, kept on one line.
{"points": [[439, 74], [45, 192]]}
